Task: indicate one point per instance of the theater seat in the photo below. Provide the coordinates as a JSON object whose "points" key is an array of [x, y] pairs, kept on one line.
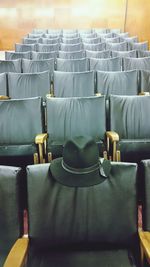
{"points": [[80, 226], [11, 216], [130, 128]]}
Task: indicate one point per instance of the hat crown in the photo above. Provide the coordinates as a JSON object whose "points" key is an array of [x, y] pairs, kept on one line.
{"points": [[80, 152]]}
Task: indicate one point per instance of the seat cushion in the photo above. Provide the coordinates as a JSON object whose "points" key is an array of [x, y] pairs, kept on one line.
{"points": [[134, 150], [101, 258], [17, 150]]}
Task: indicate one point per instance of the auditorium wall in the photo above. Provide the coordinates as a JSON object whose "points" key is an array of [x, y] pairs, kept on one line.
{"points": [[17, 18]]}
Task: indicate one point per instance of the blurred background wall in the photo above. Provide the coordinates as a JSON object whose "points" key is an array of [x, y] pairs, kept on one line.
{"points": [[17, 17]]}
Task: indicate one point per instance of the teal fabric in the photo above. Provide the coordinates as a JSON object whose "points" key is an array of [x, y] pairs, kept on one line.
{"points": [[105, 64], [117, 46], [25, 47], [145, 80], [71, 47], [98, 54], [72, 65], [3, 84], [50, 41], [71, 40], [122, 54], [142, 53], [95, 40], [47, 47], [72, 55], [11, 220], [95, 47], [30, 40], [10, 66], [139, 46], [136, 63], [16, 55], [70, 117], [112, 40], [26, 85], [33, 66], [43, 55], [73, 84], [117, 83]]}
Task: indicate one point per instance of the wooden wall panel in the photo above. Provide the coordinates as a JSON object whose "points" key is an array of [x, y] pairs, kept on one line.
{"points": [[17, 18]]}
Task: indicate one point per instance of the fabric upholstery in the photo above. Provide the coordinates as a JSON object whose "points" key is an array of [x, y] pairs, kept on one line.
{"points": [[98, 54], [25, 85], [16, 55], [30, 40], [145, 80], [47, 47], [139, 46], [11, 224], [17, 117], [50, 41], [112, 40], [145, 167], [25, 47], [10, 66], [72, 65], [132, 39], [3, 84], [34, 35], [95, 40], [71, 40], [88, 35], [43, 55], [82, 236], [70, 84], [70, 117], [32, 66], [122, 54], [71, 47], [136, 63], [117, 46], [117, 83], [106, 64], [95, 47], [142, 53], [72, 55]]}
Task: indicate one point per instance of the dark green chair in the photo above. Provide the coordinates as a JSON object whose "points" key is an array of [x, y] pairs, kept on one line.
{"points": [[11, 215]]}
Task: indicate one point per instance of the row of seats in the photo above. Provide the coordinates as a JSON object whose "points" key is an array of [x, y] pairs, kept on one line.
{"points": [[58, 217], [75, 65], [74, 84], [11, 55], [73, 31], [125, 124], [123, 46]]}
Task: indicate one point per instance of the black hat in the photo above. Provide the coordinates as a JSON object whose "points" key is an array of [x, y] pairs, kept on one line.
{"points": [[80, 165]]}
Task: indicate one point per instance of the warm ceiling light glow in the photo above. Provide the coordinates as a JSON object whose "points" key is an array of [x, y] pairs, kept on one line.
{"points": [[12, 12], [44, 12], [85, 12]]}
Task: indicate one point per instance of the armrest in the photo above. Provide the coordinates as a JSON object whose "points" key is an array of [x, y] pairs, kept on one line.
{"points": [[144, 93], [145, 244], [18, 253], [4, 97], [49, 95], [113, 136], [40, 140]]}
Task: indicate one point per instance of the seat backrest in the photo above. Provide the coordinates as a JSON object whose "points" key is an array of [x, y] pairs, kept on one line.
{"points": [[112, 40], [35, 35], [20, 120], [30, 40], [122, 54], [128, 116], [70, 117], [95, 47], [145, 81], [50, 40], [106, 64], [98, 54], [26, 85], [39, 31], [131, 39], [72, 55], [71, 40], [117, 83], [16, 55], [82, 217], [47, 47], [95, 40], [32, 66], [10, 65], [145, 181], [143, 53], [139, 46], [71, 47], [88, 35], [3, 84], [136, 63], [73, 84], [25, 47], [43, 55], [70, 35], [72, 65], [117, 46], [11, 215]]}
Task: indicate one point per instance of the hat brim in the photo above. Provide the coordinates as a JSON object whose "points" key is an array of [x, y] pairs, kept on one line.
{"points": [[74, 180]]}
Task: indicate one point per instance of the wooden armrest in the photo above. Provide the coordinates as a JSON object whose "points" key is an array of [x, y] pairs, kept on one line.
{"points": [[40, 138], [145, 244], [49, 95], [144, 93], [113, 136], [98, 94], [18, 253], [4, 97]]}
